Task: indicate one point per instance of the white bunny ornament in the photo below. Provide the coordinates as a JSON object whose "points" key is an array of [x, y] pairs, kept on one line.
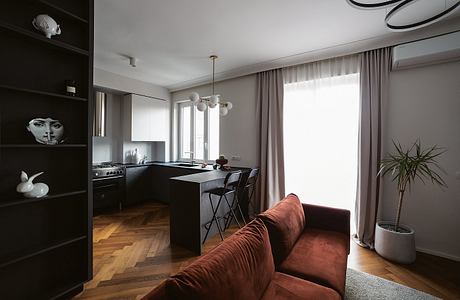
{"points": [[30, 189]]}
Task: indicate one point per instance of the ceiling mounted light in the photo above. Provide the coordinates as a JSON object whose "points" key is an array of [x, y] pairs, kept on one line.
{"points": [[403, 5], [133, 62], [202, 103]]}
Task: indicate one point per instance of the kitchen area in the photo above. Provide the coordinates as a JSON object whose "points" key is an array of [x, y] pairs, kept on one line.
{"points": [[130, 150], [133, 166]]}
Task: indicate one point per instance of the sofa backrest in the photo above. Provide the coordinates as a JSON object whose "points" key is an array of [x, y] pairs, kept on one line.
{"points": [[285, 222], [240, 268]]}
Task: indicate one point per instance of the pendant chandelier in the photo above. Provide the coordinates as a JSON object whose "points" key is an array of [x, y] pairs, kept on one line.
{"points": [[404, 5], [215, 100]]}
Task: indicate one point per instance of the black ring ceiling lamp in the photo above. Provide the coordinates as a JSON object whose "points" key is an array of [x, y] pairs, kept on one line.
{"points": [[402, 5]]}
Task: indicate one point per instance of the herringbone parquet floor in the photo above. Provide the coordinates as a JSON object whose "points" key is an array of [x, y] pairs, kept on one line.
{"points": [[132, 254]]}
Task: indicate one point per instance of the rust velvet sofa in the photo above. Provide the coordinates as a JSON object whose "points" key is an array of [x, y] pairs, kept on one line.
{"points": [[291, 251]]}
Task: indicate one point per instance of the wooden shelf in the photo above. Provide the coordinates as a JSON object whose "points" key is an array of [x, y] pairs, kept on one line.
{"points": [[43, 146], [43, 93], [40, 251], [63, 11], [41, 38], [31, 200]]}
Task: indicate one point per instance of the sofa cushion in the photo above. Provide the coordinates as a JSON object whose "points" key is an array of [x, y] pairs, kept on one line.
{"points": [[285, 286], [319, 256], [239, 268], [285, 222]]}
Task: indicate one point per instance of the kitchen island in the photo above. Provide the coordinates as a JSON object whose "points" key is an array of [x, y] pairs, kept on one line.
{"points": [[190, 209]]}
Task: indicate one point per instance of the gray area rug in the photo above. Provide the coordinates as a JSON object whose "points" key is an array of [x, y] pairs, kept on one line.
{"points": [[361, 286]]}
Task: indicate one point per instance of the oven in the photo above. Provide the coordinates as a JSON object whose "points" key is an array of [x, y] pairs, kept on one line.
{"points": [[108, 187]]}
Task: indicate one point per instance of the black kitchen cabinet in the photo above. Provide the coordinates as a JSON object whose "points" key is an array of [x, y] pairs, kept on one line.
{"points": [[138, 185]]}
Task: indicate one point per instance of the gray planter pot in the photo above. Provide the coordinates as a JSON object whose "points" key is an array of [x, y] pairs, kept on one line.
{"points": [[395, 246]]}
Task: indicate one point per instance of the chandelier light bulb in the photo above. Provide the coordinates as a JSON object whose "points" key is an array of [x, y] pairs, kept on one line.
{"points": [[229, 105], [223, 111], [194, 97], [201, 106], [214, 99], [212, 105]]}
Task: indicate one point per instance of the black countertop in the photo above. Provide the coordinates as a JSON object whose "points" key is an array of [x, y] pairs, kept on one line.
{"points": [[170, 165], [208, 176], [203, 174]]}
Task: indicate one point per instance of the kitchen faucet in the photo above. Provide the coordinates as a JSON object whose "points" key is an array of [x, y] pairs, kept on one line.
{"points": [[191, 156]]}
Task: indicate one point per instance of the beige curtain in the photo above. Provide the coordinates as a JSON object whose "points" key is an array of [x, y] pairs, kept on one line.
{"points": [[270, 138], [374, 76]]}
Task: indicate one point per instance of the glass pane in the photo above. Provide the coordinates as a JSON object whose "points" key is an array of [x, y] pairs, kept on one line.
{"points": [[213, 134], [185, 131], [199, 134]]}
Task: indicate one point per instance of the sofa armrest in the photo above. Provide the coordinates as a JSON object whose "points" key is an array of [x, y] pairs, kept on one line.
{"points": [[327, 218]]}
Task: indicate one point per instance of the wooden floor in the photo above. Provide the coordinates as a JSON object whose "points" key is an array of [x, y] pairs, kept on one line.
{"points": [[132, 254]]}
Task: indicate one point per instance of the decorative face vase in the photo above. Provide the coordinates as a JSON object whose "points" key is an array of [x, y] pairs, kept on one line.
{"points": [[47, 131]]}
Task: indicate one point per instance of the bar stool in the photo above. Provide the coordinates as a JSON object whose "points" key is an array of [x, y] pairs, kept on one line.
{"points": [[231, 182], [249, 188]]}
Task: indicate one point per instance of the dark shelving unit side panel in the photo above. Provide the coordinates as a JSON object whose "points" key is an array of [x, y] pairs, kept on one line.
{"points": [[20, 13], [90, 97], [47, 275], [18, 109], [30, 65]]}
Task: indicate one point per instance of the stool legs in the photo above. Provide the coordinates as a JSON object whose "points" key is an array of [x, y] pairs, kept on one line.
{"points": [[232, 210], [214, 218]]}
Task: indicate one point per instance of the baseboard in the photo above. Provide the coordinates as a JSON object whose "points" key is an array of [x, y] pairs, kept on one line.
{"points": [[438, 253]]}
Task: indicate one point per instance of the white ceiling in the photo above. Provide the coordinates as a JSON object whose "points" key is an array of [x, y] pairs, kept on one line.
{"points": [[172, 39]]}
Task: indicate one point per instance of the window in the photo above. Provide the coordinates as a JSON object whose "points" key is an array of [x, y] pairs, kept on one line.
{"points": [[321, 119], [198, 133]]}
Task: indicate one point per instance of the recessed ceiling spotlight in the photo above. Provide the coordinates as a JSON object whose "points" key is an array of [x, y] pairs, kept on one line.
{"points": [[132, 61]]}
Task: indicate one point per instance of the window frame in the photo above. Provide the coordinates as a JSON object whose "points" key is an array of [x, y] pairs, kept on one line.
{"points": [[193, 112]]}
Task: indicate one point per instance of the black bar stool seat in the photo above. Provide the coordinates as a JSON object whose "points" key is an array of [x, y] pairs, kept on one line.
{"points": [[231, 182]]}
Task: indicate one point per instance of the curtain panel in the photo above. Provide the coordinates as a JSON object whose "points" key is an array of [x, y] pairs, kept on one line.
{"points": [[322, 69], [375, 68], [270, 91]]}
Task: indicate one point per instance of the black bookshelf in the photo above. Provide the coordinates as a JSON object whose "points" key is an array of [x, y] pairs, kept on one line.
{"points": [[46, 243]]}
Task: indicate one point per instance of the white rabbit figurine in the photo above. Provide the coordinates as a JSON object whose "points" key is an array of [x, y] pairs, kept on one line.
{"points": [[30, 189]]}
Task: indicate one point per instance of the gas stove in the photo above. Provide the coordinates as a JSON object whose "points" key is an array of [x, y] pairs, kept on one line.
{"points": [[108, 170]]}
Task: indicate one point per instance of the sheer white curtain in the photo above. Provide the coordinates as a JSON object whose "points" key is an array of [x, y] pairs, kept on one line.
{"points": [[321, 118]]}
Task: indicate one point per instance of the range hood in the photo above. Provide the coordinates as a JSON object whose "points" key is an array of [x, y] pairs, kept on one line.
{"points": [[99, 114]]}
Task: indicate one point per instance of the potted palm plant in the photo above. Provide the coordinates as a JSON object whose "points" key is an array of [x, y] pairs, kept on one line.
{"points": [[394, 241]]}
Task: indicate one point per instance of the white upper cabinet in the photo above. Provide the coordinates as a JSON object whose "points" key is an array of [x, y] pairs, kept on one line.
{"points": [[145, 119]]}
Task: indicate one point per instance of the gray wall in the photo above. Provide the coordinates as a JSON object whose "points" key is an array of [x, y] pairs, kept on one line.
{"points": [[238, 128], [128, 85], [425, 102]]}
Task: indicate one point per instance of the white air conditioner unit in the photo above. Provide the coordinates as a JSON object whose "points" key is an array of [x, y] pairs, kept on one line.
{"points": [[429, 51]]}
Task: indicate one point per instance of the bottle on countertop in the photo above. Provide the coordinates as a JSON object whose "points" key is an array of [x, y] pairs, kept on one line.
{"points": [[137, 156]]}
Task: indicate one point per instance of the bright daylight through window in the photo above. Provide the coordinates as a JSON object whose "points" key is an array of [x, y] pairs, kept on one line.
{"points": [[321, 140], [198, 133]]}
